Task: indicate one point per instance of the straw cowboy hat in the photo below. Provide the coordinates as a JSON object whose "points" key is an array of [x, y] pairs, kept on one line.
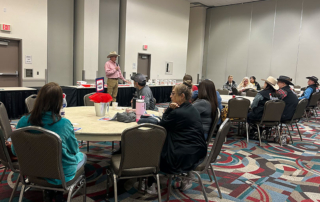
{"points": [[272, 82], [114, 53], [286, 80]]}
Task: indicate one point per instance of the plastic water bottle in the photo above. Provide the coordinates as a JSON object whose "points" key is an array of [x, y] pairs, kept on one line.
{"points": [[64, 105], [271, 98]]}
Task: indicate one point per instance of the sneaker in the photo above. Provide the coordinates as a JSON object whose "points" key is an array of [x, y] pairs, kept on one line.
{"points": [[186, 184], [152, 190]]}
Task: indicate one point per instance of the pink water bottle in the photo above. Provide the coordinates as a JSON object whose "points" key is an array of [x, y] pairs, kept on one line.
{"points": [[140, 109]]}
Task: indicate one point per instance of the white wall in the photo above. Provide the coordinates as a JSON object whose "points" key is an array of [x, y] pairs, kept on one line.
{"points": [[29, 23], [91, 38], [163, 26], [275, 37], [60, 41], [197, 26]]}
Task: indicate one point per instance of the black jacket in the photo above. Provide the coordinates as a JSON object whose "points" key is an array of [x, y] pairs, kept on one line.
{"points": [[185, 146], [291, 101], [257, 112]]}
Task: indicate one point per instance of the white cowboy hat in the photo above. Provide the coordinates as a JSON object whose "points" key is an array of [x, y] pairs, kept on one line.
{"points": [[272, 82], [114, 53]]}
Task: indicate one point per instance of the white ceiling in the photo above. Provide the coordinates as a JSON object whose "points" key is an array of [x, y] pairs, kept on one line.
{"points": [[221, 2]]}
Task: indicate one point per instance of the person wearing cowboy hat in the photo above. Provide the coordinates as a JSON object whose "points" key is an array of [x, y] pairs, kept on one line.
{"points": [[312, 88], [257, 106], [113, 73], [286, 94]]}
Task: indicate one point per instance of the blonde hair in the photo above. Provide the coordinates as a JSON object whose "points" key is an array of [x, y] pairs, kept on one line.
{"points": [[183, 89]]}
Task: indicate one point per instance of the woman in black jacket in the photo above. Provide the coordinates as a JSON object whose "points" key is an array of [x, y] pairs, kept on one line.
{"points": [[185, 146], [255, 83]]}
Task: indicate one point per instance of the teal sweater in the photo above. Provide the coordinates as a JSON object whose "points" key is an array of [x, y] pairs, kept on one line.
{"points": [[71, 155]]}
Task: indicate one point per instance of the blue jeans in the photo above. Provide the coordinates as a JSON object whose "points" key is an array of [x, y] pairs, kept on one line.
{"points": [[81, 163]]}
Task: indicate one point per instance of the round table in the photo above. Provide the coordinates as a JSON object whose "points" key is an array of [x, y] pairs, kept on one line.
{"points": [[92, 129], [226, 98]]}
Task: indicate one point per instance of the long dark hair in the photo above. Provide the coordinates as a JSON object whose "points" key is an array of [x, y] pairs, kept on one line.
{"points": [[254, 79], [49, 99], [207, 91]]}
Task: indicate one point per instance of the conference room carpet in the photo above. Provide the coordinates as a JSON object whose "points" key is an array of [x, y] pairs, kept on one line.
{"points": [[245, 172]]}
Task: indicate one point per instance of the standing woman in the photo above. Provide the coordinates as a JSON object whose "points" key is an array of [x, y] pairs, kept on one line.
{"points": [[255, 83], [206, 104], [46, 114]]}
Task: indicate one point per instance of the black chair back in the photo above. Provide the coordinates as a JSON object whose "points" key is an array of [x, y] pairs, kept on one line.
{"points": [[238, 108], [87, 101], [301, 107], [218, 142], [30, 101], [5, 122], [39, 152], [251, 93], [273, 110], [141, 147], [313, 101], [213, 126], [223, 92]]}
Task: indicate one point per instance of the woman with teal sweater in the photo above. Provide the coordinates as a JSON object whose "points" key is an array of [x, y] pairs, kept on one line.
{"points": [[46, 114]]}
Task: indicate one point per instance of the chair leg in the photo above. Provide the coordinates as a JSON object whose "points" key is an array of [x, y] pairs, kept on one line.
{"points": [[201, 184], [280, 135], [299, 131], [314, 114], [209, 175], [289, 133], [159, 189], [87, 146], [4, 172], [239, 129], [259, 134], [169, 187], [247, 129], [70, 194], [15, 188], [21, 193], [85, 190], [115, 188], [216, 181], [107, 191]]}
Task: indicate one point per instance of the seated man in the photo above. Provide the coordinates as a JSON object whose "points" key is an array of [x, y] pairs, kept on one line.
{"points": [[230, 84], [288, 97], [312, 88], [143, 91]]}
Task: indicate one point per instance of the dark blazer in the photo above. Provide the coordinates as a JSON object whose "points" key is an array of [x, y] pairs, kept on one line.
{"points": [[291, 101], [185, 146]]}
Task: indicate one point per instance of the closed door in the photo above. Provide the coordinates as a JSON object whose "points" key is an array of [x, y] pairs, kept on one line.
{"points": [[144, 64], [9, 63]]}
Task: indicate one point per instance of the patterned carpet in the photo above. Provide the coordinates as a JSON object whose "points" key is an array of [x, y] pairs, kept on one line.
{"points": [[245, 172]]}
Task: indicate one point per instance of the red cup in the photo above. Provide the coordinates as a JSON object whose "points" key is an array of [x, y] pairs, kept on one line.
{"points": [[233, 96]]}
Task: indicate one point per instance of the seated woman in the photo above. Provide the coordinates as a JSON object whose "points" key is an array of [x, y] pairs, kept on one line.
{"points": [[185, 146], [46, 114], [187, 80], [255, 84], [257, 106], [206, 104], [244, 85]]}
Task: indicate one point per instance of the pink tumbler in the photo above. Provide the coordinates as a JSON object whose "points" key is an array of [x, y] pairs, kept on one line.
{"points": [[140, 109]]}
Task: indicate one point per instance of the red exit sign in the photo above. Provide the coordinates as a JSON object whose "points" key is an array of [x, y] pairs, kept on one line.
{"points": [[5, 27]]}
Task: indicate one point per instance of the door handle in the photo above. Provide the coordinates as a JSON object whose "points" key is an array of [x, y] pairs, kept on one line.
{"points": [[9, 74]]}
